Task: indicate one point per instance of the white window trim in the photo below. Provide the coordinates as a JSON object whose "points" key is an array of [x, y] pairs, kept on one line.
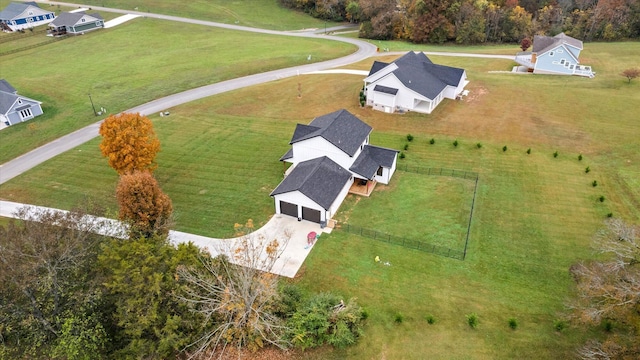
{"points": [[26, 114]]}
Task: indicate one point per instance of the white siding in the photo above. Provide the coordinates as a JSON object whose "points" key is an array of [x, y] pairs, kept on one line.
{"points": [[317, 147], [333, 209], [298, 198]]}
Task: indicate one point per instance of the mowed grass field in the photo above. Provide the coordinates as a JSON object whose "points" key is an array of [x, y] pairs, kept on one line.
{"points": [[134, 63], [534, 217], [265, 14]]}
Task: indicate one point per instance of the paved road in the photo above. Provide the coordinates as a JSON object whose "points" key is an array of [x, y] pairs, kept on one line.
{"points": [[19, 165]]}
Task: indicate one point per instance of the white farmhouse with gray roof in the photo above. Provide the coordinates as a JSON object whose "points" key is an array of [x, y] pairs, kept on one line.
{"points": [[327, 157], [557, 55], [16, 108], [412, 83]]}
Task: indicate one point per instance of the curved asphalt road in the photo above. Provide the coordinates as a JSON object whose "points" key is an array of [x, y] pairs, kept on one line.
{"points": [[19, 165]]}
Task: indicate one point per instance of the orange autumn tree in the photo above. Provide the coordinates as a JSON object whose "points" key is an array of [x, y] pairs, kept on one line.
{"points": [[143, 204], [129, 142]]}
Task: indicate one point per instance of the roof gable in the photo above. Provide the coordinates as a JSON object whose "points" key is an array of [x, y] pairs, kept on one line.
{"points": [[543, 44], [15, 9], [377, 66], [71, 19], [340, 128], [418, 73], [319, 179], [371, 158]]}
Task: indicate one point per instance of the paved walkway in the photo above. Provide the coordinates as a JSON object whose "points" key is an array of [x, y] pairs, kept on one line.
{"points": [[119, 20], [280, 227]]}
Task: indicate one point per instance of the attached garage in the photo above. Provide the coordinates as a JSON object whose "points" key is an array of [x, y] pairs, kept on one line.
{"points": [[289, 209], [311, 215]]}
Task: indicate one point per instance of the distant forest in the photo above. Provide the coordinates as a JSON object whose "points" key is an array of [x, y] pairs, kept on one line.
{"points": [[480, 21]]}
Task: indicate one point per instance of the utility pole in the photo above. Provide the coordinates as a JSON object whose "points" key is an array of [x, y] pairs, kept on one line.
{"points": [[93, 107]]}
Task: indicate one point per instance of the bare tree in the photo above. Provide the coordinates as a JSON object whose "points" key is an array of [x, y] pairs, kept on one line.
{"points": [[237, 300], [610, 290]]}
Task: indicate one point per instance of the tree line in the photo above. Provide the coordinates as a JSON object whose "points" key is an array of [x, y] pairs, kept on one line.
{"points": [[480, 21], [70, 293]]}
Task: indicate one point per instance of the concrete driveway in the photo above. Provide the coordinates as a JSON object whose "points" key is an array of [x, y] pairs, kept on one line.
{"points": [[293, 251]]}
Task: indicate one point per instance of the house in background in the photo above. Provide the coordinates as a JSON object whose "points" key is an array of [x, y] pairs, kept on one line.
{"points": [[19, 16], [557, 55], [329, 158], [15, 108], [75, 23], [412, 83]]}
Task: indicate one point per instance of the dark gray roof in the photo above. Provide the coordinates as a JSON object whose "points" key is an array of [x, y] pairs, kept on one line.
{"points": [[14, 9], [70, 19], [320, 179], [542, 44], [6, 87], [418, 73], [377, 66], [287, 155], [340, 128], [385, 89], [371, 158]]}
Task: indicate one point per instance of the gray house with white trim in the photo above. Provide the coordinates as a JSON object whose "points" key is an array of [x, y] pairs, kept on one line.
{"points": [[327, 156], [16, 108], [76, 23], [412, 83], [557, 55]]}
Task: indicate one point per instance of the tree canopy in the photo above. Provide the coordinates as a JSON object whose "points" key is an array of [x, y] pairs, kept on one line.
{"points": [[143, 204], [129, 142]]}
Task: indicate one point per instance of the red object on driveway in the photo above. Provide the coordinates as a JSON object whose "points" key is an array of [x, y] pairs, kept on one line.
{"points": [[311, 237]]}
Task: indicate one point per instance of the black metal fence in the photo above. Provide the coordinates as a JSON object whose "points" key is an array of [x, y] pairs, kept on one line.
{"points": [[417, 244], [397, 240]]}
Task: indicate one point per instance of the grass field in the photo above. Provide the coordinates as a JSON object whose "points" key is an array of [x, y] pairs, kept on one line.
{"points": [[535, 213], [266, 14], [131, 64]]}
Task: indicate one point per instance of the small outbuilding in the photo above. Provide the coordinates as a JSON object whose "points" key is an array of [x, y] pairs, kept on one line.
{"points": [[75, 23], [20, 16], [16, 108]]}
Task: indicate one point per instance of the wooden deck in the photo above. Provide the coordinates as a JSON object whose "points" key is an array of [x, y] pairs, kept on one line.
{"points": [[363, 190]]}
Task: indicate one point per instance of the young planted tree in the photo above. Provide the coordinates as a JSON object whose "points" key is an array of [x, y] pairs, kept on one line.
{"points": [[631, 74], [525, 44], [609, 291], [143, 204], [129, 142], [239, 301]]}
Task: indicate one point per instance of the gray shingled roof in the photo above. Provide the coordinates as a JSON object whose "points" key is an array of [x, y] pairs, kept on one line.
{"points": [[385, 89], [70, 19], [377, 66], [14, 9], [418, 73], [371, 158], [6, 101], [287, 155], [320, 179], [6, 87], [542, 44], [340, 128]]}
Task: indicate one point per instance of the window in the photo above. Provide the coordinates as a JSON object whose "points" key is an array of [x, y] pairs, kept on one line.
{"points": [[30, 13], [26, 113], [571, 67], [551, 53], [562, 62], [83, 20], [19, 101], [379, 172]]}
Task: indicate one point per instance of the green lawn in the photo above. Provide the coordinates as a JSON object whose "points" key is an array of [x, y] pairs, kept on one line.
{"points": [[535, 213], [267, 14], [134, 63], [426, 209]]}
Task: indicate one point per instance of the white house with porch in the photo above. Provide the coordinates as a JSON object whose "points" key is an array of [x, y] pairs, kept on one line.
{"points": [[329, 158], [412, 83]]}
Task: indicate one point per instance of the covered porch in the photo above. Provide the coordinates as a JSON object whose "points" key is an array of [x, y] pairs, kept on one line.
{"points": [[362, 187]]}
